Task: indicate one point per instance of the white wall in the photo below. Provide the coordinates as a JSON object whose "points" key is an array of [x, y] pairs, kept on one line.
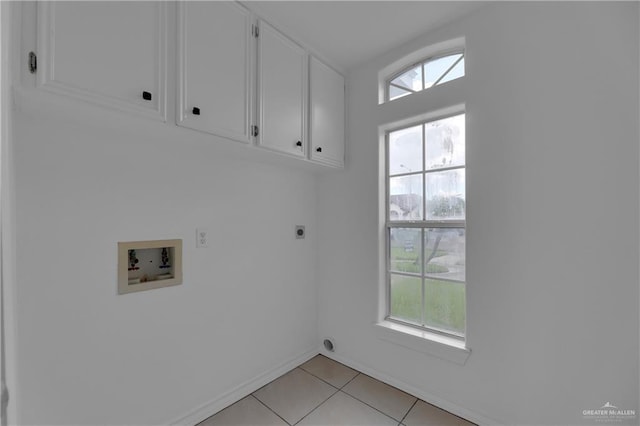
{"points": [[553, 293], [247, 304], [86, 178], [552, 169]]}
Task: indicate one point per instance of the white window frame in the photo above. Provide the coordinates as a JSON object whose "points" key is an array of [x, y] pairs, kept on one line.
{"points": [[449, 102], [423, 224], [422, 63]]}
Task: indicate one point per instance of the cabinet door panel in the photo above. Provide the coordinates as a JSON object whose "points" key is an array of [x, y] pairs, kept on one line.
{"points": [[282, 92], [105, 52], [326, 115], [215, 46]]}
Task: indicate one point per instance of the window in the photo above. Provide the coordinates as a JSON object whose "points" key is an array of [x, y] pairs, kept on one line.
{"points": [[429, 73], [425, 225]]}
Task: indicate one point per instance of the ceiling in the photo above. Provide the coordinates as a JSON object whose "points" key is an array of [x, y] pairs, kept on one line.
{"points": [[347, 33]]}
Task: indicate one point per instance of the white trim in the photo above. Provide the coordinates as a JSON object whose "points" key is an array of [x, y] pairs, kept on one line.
{"points": [[453, 224], [243, 389], [430, 398], [181, 53], [438, 345], [414, 58], [424, 332], [423, 63], [424, 118], [11, 13]]}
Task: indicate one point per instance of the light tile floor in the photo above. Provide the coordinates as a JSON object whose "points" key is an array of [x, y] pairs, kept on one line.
{"points": [[323, 392]]}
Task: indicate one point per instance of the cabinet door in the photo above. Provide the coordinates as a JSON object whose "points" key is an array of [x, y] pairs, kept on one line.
{"points": [[111, 53], [326, 114], [282, 82], [215, 47]]}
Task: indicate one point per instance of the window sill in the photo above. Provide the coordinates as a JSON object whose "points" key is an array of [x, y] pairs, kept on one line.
{"points": [[442, 347]]}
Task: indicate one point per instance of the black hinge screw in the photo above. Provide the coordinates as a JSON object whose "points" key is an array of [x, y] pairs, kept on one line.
{"points": [[146, 96], [33, 62], [299, 143], [319, 149], [195, 111]]}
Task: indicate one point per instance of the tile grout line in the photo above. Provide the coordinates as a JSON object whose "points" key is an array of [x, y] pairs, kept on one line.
{"points": [[318, 406], [373, 378], [269, 408], [358, 399], [283, 374], [409, 410], [341, 389], [333, 361], [337, 390], [320, 378], [352, 379], [312, 410], [371, 406], [252, 394]]}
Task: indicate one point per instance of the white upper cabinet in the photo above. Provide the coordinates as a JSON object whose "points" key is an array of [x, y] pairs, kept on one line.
{"points": [[111, 53], [215, 51], [282, 93], [326, 115], [236, 76]]}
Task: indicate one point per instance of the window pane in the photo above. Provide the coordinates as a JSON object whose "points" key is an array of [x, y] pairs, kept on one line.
{"points": [[444, 253], [406, 298], [446, 195], [405, 250], [435, 69], [445, 305], [405, 150], [411, 79], [405, 198], [396, 92], [456, 72], [445, 142]]}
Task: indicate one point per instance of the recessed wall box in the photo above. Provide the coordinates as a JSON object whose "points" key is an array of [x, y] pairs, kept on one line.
{"points": [[145, 265]]}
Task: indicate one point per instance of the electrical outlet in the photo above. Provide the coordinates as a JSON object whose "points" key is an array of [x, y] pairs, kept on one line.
{"points": [[202, 238]]}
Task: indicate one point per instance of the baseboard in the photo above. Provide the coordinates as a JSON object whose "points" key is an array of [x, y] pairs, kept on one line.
{"points": [[474, 417], [210, 408]]}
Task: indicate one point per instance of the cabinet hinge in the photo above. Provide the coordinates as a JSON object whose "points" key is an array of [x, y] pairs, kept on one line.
{"points": [[255, 31], [4, 398], [33, 62], [255, 131]]}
